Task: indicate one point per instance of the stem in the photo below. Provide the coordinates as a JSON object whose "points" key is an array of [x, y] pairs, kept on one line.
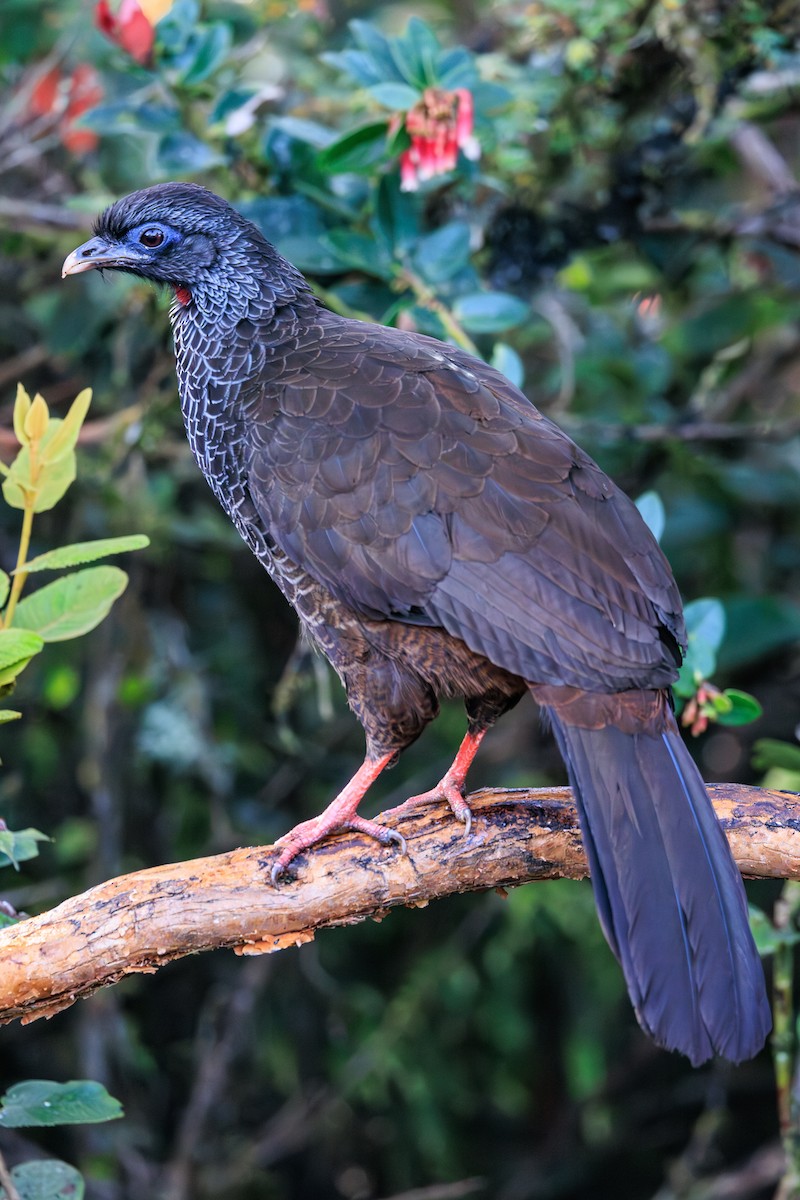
{"points": [[337, 305], [428, 298], [22, 557], [7, 1181]]}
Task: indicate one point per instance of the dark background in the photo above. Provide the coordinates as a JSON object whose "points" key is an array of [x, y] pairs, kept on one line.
{"points": [[636, 194]]}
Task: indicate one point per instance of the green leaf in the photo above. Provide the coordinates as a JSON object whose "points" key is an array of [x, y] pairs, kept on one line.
{"points": [[72, 605], [686, 684], [9, 714], [41, 1102], [721, 323], [22, 406], [377, 47], [16, 644], [362, 253], [742, 709], [302, 130], [705, 627], [442, 254], [767, 938], [5, 587], [176, 26], [124, 117], [770, 752], [456, 68], [506, 360], [490, 312], [400, 97], [54, 479], [396, 220], [184, 153], [651, 507], [17, 648], [229, 102], [358, 150], [757, 626], [422, 39], [359, 65], [65, 436], [212, 47], [46, 1179], [19, 845], [415, 54], [83, 552]]}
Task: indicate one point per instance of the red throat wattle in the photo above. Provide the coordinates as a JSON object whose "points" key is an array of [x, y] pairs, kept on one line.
{"points": [[182, 294]]}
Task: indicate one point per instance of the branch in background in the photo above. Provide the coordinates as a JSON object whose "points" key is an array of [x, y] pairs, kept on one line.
{"points": [[24, 214], [140, 921], [763, 159]]}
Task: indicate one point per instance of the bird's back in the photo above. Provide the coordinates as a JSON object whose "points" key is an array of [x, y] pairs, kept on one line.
{"points": [[417, 484]]}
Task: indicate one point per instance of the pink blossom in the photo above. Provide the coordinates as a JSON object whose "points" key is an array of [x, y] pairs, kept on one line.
{"points": [[439, 125]]}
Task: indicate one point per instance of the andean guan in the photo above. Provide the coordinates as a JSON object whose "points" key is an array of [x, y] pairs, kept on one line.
{"points": [[439, 537]]}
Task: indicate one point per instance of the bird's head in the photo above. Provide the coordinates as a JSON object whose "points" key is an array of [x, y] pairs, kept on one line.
{"points": [[185, 236]]}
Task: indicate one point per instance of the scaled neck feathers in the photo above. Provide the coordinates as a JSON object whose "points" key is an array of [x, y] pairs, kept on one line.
{"points": [[247, 280]]}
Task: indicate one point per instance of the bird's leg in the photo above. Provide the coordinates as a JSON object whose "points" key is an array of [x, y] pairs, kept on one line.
{"points": [[453, 785], [341, 814]]}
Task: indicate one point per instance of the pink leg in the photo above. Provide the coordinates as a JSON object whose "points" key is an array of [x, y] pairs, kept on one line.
{"points": [[340, 814], [452, 787]]}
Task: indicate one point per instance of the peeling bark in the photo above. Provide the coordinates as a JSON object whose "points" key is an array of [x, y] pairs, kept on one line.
{"points": [[139, 921]]}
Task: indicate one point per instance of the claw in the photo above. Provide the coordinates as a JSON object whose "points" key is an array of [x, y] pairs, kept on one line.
{"points": [[445, 790], [304, 836], [277, 872], [381, 833], [340, 814]]}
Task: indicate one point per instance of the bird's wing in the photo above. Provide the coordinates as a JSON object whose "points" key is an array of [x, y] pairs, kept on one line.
{"points": [[419, 484]]}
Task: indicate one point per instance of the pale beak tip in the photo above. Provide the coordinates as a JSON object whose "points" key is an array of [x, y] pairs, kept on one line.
{"points": [[74, 265]]}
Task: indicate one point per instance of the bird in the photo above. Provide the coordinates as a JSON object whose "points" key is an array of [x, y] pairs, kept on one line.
{"points": [[438, 537]]}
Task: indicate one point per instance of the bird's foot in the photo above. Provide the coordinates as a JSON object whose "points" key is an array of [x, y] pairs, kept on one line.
{"points": [[309, 833], [453, 786], [341, 815], [451, 789]]}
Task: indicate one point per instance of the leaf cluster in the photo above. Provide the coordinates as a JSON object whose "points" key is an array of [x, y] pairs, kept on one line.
{"points": [[76, 603]]}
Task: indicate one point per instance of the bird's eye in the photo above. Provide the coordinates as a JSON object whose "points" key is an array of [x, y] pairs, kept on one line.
{"points": [[151, 238]]}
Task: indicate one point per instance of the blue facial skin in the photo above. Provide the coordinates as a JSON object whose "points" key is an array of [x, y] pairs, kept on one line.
{"points": [[142, 250]]}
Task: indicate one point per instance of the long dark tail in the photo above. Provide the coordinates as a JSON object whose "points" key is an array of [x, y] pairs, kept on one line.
{"points": [[669, 895]]}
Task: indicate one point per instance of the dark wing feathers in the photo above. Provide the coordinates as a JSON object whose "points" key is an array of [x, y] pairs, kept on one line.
{"points": [[413, 484]]}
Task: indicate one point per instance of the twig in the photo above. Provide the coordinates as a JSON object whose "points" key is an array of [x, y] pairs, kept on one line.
{"points": [[137, 922], [7, 1181], [22, 214], [427, 297], [26, 360], [761, 157], [443, 1191], [216, 1050]]}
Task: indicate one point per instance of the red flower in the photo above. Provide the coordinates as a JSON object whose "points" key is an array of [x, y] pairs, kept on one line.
{"points": [[129, 29], [65, 98], [85, 91], [439, 125], [44, 94]]}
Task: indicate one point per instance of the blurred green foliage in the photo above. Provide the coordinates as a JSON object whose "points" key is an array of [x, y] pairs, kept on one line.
{"points": [[627, 249]]}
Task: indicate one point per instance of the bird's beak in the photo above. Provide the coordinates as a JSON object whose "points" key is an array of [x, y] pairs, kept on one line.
{"points": [[95, 253]]}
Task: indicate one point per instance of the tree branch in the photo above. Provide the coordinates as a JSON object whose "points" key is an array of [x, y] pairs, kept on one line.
{"points": [[140, 921]]}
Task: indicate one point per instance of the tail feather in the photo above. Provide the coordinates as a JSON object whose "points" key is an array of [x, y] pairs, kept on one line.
{"points": [[669, 895]]}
